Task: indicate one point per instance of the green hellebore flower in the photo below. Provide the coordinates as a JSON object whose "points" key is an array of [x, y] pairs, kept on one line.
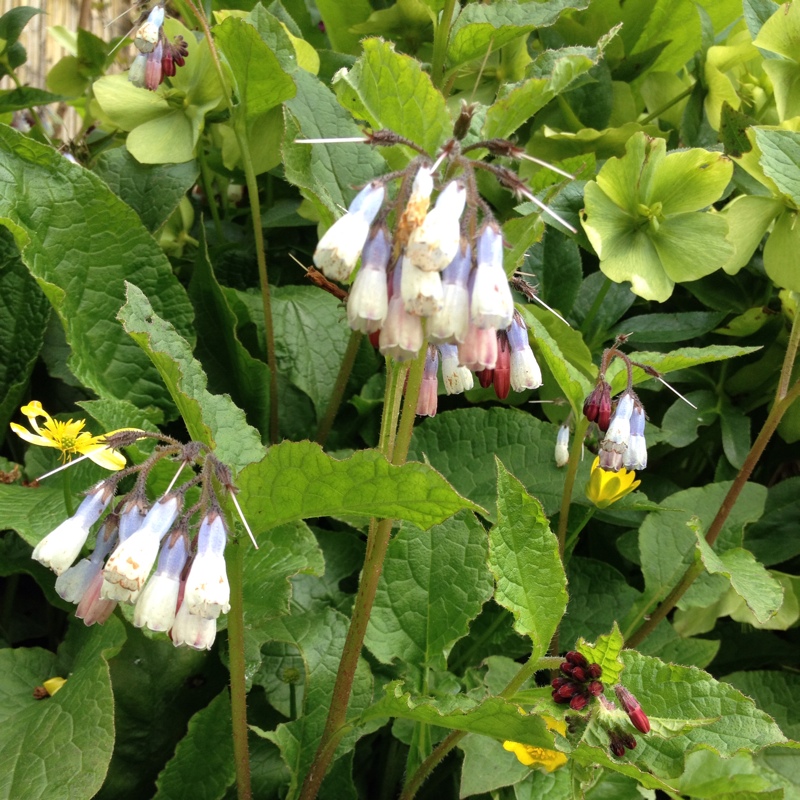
{"points": [[164, 125], [643, 216]]}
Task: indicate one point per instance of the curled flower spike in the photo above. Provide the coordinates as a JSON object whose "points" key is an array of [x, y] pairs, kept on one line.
{"points": [[605, 487], [68, 437]]}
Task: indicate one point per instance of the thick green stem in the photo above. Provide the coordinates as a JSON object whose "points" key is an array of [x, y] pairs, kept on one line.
{"points": [[440, 40], [454, 737], [346, 367], [237, 667], [377, 543]]}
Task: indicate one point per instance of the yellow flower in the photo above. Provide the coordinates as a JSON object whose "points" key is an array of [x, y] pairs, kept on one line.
{"points": [[605, 488], [532, 756], [52, 685], [68, 437]]}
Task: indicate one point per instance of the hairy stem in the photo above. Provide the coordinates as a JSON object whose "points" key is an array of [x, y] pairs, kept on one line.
{"points": [[241, 755], [346, 367]]}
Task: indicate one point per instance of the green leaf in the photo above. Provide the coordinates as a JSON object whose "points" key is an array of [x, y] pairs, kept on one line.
{"points": [[319, 639], [212, 419], [153, 191], [228, 365], [259, 80], [687, 693], [772, 539], [310, 340], [21, 335], [605, 652], [777, 693], [31, 512], [493, 716], [781, 255], [479, 27], [70, 733], [13, 22], [664, 363], [750, 580], [197, 771], [297, 480], [340, 18], [377, 89], [524, 558], [432, 586], [667, 544], [781, 34], [557, 263], [735, 434], [665, 643], [676, 327], [749, 218], [326, 174], [780, 159], [488, 766], [26, 97], [462, 445], [89, 233]]}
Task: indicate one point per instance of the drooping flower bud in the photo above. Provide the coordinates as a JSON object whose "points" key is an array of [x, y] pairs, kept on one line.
{"points": [[207, 589], [615, 443], [525, 370], [451, 322], [479, 350], [457, 379], [338, 250], [59, 549], [153, 71], [597, 407], [562, 446], [502, 368], [368, 301], [485, 378], [429, 390], [72, 584], [635, 457], [632, 708], [401, 334], [491, 303], [435, 243], [422, 291], [158, 601], [149, 32]]}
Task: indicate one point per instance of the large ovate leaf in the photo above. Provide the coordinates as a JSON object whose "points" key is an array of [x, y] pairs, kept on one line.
{"points": [[775, 692], [493, 716], [319, 639], [91, 237], [297, 480], [340, 18], [327, 174], [780, 159], [70, 733], [433, 584], [479, 27], [605, 652], [523, 555], [462, 445], [202, 767], [643, 216], [212, 419], [390, 90]]}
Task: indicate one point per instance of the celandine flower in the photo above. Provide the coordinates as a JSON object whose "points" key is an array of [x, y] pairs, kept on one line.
{"points": [[605, 487], [68, 437]]}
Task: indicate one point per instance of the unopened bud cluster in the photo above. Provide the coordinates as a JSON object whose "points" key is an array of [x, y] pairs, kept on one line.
{"points": [[188, 589], [579, 682], [439, 277], [158, 58]]}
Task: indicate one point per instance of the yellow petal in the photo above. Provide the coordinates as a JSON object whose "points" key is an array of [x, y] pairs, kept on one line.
{"points": [[52, 685], [105, 456], [536, 756], [33, 438]]}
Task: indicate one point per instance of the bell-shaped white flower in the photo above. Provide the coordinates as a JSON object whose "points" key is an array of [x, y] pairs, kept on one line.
{"points": [[635, 457], [525, 370], [434, 244], [562, 446], [130, 564], [451, 322], [401, 335], [149, 31], [421, 291], [617, 438], [428, 399], [368, 301], [207, 590], [192, 630], [157, 603], [341, 245], [73, 584], [479, 350], [457, 379], [491, 303], [59, 549]]}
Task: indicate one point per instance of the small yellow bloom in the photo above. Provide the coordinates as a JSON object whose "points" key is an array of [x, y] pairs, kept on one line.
{"points": [[536, 756], [52, 685], [68, 437], [605, 488]]}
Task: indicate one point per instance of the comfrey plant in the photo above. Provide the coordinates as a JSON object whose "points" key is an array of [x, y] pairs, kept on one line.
{"points": [[439, 277], [158, 58], [189, 588]]}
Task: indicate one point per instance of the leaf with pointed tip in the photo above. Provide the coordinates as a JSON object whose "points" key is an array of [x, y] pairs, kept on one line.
{"points": [[605, 652], [212, 419], [91, 239], [523, 555]]}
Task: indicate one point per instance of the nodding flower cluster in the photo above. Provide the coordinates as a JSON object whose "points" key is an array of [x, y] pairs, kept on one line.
{"points": [[440, 276], [158, 58], [189, 588], [624, 444]]}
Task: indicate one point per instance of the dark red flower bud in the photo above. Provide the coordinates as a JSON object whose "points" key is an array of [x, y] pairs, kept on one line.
{"points": [[578, 702], [502, 368], [594, 670], [595, 688], [579, 674], [567, 668], [628, 739], [567, 690], [616, 745], [574, 657], [374, 339], [632, 708], [558, 698], [557, 683], [168, 64], [486, 377], [597, 407]]}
